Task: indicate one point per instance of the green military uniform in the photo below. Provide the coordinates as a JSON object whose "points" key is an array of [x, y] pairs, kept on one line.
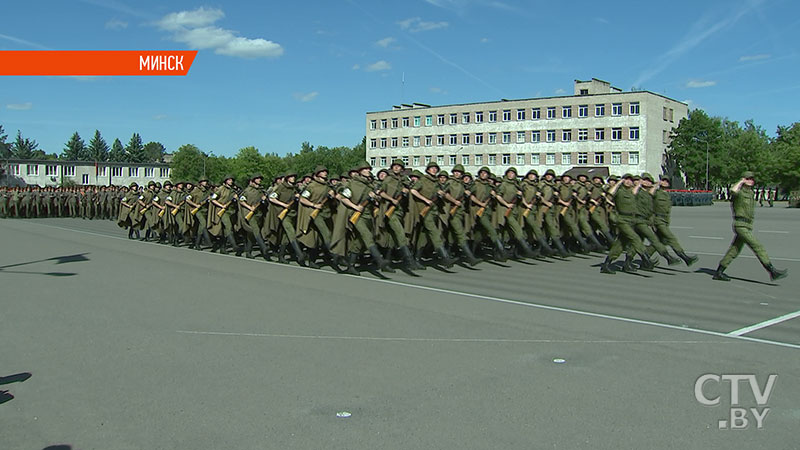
{"points": [[197, 216], [312, 227], [644, 220], [662, 207], [250, 212], [598, 213], [510, 218], [568, 214], [625, 201], [428, 188], [220, 217], [456, 190]]}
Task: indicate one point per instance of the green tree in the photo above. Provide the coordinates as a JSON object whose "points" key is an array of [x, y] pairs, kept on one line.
{"points": [[134, 151], [24, 148], [187, 163], [98, 148], [74, 149], [697, 138], [117, 153], [247, 162], [5, 148], [786, 156], [154, 152]]}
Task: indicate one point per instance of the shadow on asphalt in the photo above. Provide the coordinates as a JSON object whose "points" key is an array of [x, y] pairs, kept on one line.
{"points": [[711, 272], [6, 396], [57, 259]]}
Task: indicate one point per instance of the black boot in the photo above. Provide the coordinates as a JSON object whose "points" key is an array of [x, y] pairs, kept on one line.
{"points": [[544, 247], [646, 263], [223, 245], [383, 264], [720, 274], [248, 248], [627, 267], [262, 246], [562, 252], [130, 233], [606, 267], [595, 243], [467, 253], [312, 259], [444, 258], [775, 274], [585, 249], [500, 251], [282, 254], [418, 258], [526, 249], [408, 259], [298, 254], [689, 260], [671, 260], [350, 262]]}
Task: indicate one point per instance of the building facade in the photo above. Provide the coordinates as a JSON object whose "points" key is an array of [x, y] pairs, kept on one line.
{"points": [[81, 173], [599, 126]]}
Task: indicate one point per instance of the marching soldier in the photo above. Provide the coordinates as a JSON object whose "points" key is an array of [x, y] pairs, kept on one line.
{"points": [[426, 193], [281, 217], [393, 190], [530, 213], [197, 217], [360, 200], [644, 217], [221, 206], [624, 195], [250, 205], [508, 214], [662, 207], [455, 195]]}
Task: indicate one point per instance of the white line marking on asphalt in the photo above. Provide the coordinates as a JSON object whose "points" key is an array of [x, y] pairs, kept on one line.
{"points": [[707, 237], [411, 339], [485, 297], [765, 324], [770, 231]]}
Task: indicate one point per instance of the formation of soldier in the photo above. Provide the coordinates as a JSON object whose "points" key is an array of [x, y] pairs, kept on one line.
{"points": [[397, 216]]}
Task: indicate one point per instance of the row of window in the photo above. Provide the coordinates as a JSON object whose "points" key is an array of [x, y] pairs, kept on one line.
{"points": [[551, 112], [506, 136], [69, 171], [581, 158]]}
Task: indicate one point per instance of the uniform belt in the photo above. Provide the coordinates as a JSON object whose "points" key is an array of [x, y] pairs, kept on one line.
{"points": [[743, 219], [662, 215]]}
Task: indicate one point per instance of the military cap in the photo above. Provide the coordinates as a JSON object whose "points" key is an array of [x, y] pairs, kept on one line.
{"points": [[511, 169], [550, 172], [467, 174], [664, 176], [416, 173], [344, 175], [151, 183], [290, 173], [613, 178], [458, 168], [581, 174], [748, 174], [597, 177], [431, 164], [133, 185], [158, 184], [383, 170], [636, 177], [167, 183], [334, 177], [364, 165], [485, 169], [532, 171], [647, 176], [398, 162], [627, 175], [565, 174], [442, 174], [307, 175], [203, 178], [256, 175], [319, 169], [228, 177]]}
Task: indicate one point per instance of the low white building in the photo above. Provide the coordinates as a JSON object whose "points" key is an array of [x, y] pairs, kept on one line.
{"points": [[82, 173]]}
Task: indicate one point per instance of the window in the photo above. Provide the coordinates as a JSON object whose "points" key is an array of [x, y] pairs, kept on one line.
{"points": [[493, 138], [616, 109], [416, 161], [478, 160], [566, 112], [520, 114], [427, 159], [465, 160], [634, 109], [616, 158], [116, 171], [148, 172], [566, 135], [633, 158], [616, 134], [416, 121], [671, 115], [132, 172], [584, 92], [69, 171], [464, 139], [383, 161], [599, 110], [536, 113], [633, 133], [452, 160], [479, 117], [566, 159], [372, 161], [453, 119], [13, 169], [550, 159], [536, 136], [405, 160], [583, 111], [440, 160], [479, 139], [599, 134], [506, 115], [383, 142], [465, 117], [551, 112], [520, 159], [599, 158], [101, 171], [583, 158], [583, 134], [406, 121], [440, 119], [428, 141], [50, 170], [416, 141], [383, 124], [373, 143], [492, 116], [440, 139], [535, 159], [520, 137], [85, 178], [394, 122], [492, 160], [32, 169], [506, 137], [453, 139], [428, 121], [505, 159], [665, 113], [373, 124], [405, 141], [394, 142], [551, 135]]}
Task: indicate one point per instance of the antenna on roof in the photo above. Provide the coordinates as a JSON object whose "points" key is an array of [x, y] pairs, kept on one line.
{"points": [[402, 88]]}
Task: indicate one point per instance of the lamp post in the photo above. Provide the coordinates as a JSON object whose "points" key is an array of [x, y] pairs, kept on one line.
{"points": [[697, 139]]}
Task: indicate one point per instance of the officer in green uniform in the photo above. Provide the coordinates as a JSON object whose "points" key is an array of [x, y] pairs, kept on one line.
{"points": [[743, 214], [662, 207], [624, 195], [425, 193]]}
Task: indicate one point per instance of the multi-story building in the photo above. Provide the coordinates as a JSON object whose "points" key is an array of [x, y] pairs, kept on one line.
{"points": [[58, 172], [600, 126]]}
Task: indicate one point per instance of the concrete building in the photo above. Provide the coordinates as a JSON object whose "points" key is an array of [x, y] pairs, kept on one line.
{"points": [[57, 172], [599, 126]]}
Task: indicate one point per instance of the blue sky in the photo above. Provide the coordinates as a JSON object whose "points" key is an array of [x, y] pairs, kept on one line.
{"points": [[275, 74]]}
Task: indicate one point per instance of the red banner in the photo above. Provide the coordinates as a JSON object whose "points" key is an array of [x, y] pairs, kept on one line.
{"points": [[96, 62]]}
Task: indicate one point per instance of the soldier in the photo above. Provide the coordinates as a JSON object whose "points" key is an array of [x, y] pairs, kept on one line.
{"points": [[531, 220], [456, 195], [509, 214], [564, 202], [127, 212], [426, 194], [282, 215], [251, 203], [313, 216], [598, 212], [220, 211], [582, 204], [197, 218], [743, 215], [645, 217], [662, 207], [624, 195], [360, 200], [393, 189]]}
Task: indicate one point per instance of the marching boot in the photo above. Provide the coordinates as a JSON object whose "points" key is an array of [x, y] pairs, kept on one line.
{"points": [[138, 235], [234, 245], [409, 260], [585, 249], [597, 246], [562, 252], [313, 254], [298, 254], [606, 267], [248, 249], [627, 267], [646, 263], [418, 258], [526, 249], [467, 253], [146, 235], [720, 274], [196, 243], [383, 264], [671, 260], [500, 251], [282, 254], [775, 274], [223, 245], [130, 233], [689, 260], [215, 244], [444, 258], [262, 246], [545, 247], [350, 261]]}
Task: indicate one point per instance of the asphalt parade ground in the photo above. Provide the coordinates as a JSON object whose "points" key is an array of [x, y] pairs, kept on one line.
{"points": [[134, 345]]}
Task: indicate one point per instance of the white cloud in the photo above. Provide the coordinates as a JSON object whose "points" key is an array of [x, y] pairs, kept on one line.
{"points": [[20, 106], [116, 24], [194, 28], [700, 84], [438, 90], [356, 66], [378, 66], [760, 57], [484, 40], [560, 91], [160, 117], [385, 42], [306, 97], [416, 24]]}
